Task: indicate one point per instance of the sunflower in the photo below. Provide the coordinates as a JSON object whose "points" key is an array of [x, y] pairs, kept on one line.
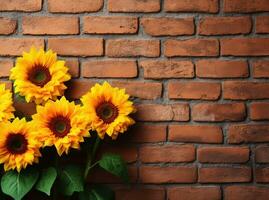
{"points": [[6, 108], [61, 123], [108, 107], [39, 76], [19, 146]]}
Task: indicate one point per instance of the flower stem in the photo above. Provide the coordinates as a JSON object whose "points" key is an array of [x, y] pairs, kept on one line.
{"points": [[90, 157]]}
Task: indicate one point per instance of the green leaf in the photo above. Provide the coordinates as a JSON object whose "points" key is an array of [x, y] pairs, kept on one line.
{"points": [[17, 185], [19, 98], [115, 165], [71, 180], [45, 182], [98, 192]]}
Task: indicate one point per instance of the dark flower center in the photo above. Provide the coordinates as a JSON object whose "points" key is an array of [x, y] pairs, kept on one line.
{"points": [[107, 112], [16, 143], [39, 75], [60, 126]]}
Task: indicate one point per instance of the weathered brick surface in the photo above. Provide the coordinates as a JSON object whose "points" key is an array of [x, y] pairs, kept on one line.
{"points": [[197, 71]]}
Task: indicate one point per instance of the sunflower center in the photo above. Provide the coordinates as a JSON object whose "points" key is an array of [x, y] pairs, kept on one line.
{"points": [[39, 75], [107, 112], [16, 144], [60, 126]]}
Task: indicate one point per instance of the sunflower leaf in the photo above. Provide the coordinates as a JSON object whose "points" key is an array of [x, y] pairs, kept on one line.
{"points": [[71, 180], [115, 165], [98, 192], [46, 180], [17, 185]]}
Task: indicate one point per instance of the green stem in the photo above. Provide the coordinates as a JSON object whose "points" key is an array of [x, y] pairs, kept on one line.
{"points": [[90, 157]]}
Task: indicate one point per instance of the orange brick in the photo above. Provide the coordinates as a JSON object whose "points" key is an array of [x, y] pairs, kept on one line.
{"points": [[21, 5], [110, 25], [260, 68], [194, 90], [5, 67], [16, 46], [39, 25], [244, 46], [73, 65], [159, 69], [146, 6], [237, 192], [76, 88], [159, 112], [219, 112], [245, 6], [109, 68], [132, 48], [168, 26], [78, 6], [208, 6], [221, 68], [77, 46], [224, 25], [7, 25], [191, 47]]}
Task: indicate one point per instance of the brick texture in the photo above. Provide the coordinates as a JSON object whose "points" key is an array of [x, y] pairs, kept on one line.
{"points": [[197, 71]]}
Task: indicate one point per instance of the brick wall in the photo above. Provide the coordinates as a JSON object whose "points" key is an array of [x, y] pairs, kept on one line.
{"points": [[197, 69]]}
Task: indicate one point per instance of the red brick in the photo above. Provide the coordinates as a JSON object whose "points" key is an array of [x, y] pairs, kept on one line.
{"points": [[152, 193], [262, 175], [246, 6], [259, 111], [77, 46], [195, 134], [167, 153], [244, 46], [219, 112], [194, 90], [8, 84], [236, 192], [224, 25], [162, 112], [248, 133], [155, 69], [223, 154], [191, 47], [262, 24], [224, 174], [191, 193], [262, 154], [143, 90], [42, 25], [7, 25], [146, 6], [132, 48], [209, 6], [5, 67], [110, 25], [78, 6], [166, 26], [73, 65], [242, 90], [109, 69], [221, 68], [156, 174], [260, 69], [16, 46], [21, 5], [145, 133], [78, 87]]}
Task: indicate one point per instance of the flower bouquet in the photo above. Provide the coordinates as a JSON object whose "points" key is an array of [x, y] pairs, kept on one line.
{"points": [[57, 127]]}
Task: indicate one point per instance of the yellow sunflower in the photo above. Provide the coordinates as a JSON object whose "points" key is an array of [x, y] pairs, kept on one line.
{"points": [[61, 123], [19, 145], [108, 107], [6, 108], [39, 76]]}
